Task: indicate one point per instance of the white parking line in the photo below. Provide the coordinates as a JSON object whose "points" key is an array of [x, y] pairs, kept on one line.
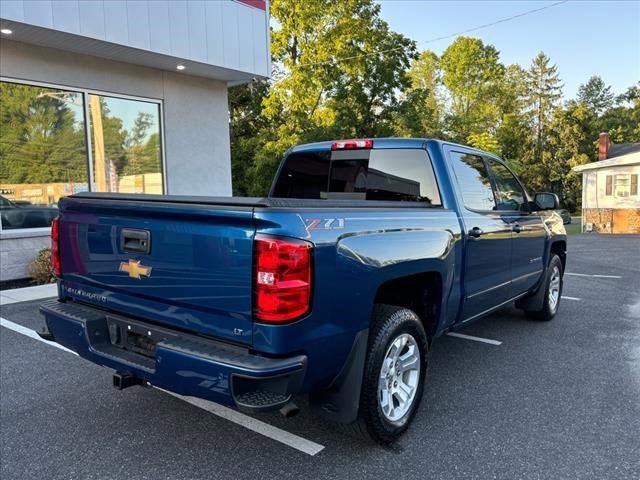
{"points": [[31, 334], [475, 339], [590, 275], [564, 297], [275, 433]]}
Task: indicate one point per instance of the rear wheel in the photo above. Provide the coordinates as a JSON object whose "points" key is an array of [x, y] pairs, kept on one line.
{"points": [[394, 373], [553, 291]]}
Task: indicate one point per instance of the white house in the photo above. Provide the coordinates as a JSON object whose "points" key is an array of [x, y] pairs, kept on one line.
{"points": [[114, 95], [610, 195]]}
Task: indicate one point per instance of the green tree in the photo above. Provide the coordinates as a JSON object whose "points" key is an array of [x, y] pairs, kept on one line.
{"points": [[247, 124], [337, 70], [473, 75], [622, 121], [568, 145], [41, 140], [515, 124], [596, 95], [542, 98], [420, 111]]}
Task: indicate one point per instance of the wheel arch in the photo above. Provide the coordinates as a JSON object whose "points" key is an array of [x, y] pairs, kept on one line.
{"points": [[421, 293]]}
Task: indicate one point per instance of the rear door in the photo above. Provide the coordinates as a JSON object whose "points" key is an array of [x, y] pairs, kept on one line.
{"points": [[528, 232], [487, 271], [185, 266]]}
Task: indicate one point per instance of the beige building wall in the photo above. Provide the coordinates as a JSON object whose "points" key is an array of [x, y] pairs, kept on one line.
{"points": [[195, 125]]}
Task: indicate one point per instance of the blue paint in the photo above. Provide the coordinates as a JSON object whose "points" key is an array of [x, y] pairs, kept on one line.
{"points": [[201, 279]]}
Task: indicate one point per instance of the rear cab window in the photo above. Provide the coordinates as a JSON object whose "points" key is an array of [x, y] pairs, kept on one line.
{"points": [[378, 174]]}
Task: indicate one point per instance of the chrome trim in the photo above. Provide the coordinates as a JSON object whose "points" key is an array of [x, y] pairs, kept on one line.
{"points": [[489, 310], [490, 289], [522, 277]]}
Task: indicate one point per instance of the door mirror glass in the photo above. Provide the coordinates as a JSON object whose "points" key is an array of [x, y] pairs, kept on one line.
{"points": [[547, 201]]}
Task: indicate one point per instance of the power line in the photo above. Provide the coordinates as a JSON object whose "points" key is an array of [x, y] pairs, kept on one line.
{"points": [[444, 37]]}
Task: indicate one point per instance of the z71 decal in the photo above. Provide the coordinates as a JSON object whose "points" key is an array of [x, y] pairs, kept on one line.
{"points": [[323, 224]]}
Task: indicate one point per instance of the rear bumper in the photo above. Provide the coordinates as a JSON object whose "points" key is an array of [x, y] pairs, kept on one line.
{"points": [[181, 363]]}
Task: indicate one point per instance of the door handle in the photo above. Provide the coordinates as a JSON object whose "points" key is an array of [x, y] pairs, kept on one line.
{"points": [[135, 241], [516, 227], [475, 232]]}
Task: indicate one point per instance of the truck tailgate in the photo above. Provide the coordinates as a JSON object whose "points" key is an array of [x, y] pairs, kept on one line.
{"points": [[184, 265]]}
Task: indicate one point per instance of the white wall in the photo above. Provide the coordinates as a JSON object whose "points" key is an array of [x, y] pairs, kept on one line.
{"points": [[594, 188], [224, 33]]}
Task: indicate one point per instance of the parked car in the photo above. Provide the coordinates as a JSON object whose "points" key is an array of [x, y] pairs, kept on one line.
{"points": [[565, 215], [24, 215], [333, 286]]}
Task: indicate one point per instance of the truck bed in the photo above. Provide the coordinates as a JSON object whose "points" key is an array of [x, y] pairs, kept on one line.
{"points": [[245, 202]]}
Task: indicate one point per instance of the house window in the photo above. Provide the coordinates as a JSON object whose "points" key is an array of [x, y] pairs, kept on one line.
{"points": [[634, 184], [54, 139], [609, 188], [622, 186]]}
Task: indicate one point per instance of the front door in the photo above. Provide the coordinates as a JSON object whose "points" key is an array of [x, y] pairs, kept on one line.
{"points": [[528, 231], [488, 243]]}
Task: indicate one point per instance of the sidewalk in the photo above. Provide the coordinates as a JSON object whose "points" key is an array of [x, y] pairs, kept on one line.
{"points": [[26, 294]]}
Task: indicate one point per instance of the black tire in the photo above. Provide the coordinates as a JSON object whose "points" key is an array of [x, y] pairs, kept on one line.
{"points": [[388, 323], [548, 310]]}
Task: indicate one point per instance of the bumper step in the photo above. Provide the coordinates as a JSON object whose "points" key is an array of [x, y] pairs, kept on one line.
{"points": [[182, 362], [262, 399]]}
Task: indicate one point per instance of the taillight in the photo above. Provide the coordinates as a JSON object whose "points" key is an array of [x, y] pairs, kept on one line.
{"points": [[282, 278], [352, 144], [56, 264]]}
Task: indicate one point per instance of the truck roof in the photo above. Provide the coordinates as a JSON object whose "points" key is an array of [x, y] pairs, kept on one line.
{"points": [[388, 142]]}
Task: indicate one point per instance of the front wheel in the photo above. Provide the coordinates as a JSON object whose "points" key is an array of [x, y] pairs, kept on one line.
{"points": [[552, 293], [394, 373]]}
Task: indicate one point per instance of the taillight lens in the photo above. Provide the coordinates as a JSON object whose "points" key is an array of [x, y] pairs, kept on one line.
{"points": [[352, 144], [56, 264], [282, 278]]}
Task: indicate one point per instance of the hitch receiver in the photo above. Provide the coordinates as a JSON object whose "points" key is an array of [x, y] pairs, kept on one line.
{"points": [[122, 380]]}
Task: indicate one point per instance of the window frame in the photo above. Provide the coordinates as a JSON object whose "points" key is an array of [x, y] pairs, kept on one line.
{"points": [[626, 176], [337, 156], [525, 195], [608, 186], [457, 182], [85, 92]]}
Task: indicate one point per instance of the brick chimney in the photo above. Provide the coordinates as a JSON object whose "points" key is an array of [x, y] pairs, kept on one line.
{"points": [[604, 142]]}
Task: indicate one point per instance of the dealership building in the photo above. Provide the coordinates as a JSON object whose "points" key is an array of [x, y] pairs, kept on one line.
{"points": [[116, 96]]}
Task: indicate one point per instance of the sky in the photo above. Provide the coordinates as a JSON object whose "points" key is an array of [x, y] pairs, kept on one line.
{"points": [[582, 38]]}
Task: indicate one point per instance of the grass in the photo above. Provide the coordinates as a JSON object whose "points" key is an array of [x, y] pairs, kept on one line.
{"points": [[573, 228]]}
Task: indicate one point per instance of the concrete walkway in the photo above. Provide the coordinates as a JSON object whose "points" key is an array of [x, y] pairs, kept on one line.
{"points": [[26, 294]]}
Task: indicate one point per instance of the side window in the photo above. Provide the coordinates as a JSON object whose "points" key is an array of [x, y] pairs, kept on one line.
{"points": [[609, 186], [473, 181], [509, 191]]}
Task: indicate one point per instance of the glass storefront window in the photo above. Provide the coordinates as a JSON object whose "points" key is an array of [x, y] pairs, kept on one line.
{"points": [[125, 138], [46, 143], [43, 154]]}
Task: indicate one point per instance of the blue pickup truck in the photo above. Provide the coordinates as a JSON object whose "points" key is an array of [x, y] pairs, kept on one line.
{"points": [[332, 287]]}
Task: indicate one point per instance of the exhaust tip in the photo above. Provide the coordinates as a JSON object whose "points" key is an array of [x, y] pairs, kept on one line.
{"points": [[290, 410]]}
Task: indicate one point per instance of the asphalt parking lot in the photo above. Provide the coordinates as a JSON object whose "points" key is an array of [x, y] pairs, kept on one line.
{"points": [[553, 400]]}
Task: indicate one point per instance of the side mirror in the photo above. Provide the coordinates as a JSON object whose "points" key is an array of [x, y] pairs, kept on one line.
{"points": [[547, 201]]}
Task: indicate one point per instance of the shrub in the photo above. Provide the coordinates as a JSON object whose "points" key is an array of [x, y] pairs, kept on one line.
{"points": [[40, 268]]}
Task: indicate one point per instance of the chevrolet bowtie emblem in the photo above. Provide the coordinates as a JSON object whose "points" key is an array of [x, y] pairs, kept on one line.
{"points": [[134, 269]]}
